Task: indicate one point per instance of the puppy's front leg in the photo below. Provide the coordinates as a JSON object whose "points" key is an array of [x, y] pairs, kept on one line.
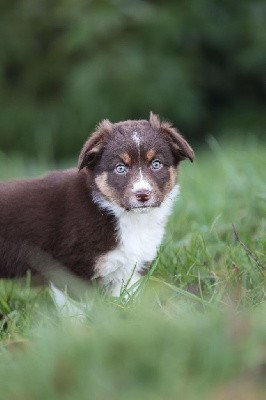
{"points": [[66, 306]]}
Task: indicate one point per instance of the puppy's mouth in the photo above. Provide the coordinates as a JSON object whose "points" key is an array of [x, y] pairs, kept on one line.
{"points": [[140, 210], [142, 206]]}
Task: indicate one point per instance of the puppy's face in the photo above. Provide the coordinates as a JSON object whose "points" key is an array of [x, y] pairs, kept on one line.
{"points": [[134, 163]]}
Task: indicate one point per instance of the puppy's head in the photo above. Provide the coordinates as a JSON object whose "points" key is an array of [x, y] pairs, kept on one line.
{"points": [[134, 163]]}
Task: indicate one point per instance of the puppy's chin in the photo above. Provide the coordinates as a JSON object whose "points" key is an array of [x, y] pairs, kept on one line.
{"points": [[141, 210]]}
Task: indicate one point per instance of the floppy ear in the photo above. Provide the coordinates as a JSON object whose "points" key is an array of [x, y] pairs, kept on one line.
{"points": [[93, 147], [180, 147]]}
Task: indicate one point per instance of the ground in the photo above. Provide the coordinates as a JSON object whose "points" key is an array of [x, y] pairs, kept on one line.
{"points": [[195, 330]]}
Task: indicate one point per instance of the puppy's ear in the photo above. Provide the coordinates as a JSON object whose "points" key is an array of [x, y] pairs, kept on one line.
{"points": [[180, 147], [92, 149]]}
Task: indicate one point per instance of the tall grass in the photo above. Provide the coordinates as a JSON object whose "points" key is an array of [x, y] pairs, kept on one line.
{"points": [[197, 327]]}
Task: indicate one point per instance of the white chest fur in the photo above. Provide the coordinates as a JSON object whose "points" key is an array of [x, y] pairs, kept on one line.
{"points": [[140, 234]]}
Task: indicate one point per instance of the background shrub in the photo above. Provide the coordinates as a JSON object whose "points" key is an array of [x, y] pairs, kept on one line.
{"points": [[66, 65]]}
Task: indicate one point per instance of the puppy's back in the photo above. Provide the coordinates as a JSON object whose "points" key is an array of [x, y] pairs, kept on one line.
{"points": [[55, 215]]}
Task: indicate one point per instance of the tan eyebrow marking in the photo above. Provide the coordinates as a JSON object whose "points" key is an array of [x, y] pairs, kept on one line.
{"points": [[150, 154], [126, 158]]}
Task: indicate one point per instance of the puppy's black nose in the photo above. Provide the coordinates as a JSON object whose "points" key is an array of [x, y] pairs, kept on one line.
{"points": [[143, 195]]}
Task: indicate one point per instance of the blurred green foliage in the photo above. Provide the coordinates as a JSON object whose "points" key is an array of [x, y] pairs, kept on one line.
{"points": [[65, 65]]}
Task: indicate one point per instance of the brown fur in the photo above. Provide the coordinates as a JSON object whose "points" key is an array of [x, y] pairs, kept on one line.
{"points": [[57, 215], [150, 154], [105, 189], [125, 157]]}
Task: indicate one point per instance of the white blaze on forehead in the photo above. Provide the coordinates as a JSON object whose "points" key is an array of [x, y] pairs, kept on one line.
{"points": [[141, 184], [136, 138]]}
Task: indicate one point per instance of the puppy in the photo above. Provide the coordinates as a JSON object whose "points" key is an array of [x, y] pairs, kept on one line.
{"points": [[103, 220]]}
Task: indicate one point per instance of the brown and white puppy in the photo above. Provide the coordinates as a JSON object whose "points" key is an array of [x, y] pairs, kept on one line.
{"points": [[104, 220]]}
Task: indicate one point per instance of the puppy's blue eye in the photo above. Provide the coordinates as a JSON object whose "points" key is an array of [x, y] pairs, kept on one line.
{"points": [[156, 164], [120, 168]]}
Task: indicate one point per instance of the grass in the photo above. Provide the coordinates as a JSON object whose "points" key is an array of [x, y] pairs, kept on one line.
{"points": [[196, 329]]}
